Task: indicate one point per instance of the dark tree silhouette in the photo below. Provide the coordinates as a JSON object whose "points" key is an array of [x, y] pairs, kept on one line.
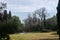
{"points": [[58, 19], [0, 16], [9, 14], [5, 15]]}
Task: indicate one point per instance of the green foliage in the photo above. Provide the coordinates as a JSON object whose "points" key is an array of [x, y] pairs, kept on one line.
{"points": [[16, 23], [9, 24]]}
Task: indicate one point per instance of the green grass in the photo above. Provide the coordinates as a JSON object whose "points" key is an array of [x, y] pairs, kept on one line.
{"points": [[33, 36]]}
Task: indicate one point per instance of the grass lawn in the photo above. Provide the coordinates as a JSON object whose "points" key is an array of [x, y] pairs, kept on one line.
{"points": [[34, 36]]}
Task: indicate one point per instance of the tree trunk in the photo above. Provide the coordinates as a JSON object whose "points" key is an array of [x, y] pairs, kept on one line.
{"points": [[58, 19]]}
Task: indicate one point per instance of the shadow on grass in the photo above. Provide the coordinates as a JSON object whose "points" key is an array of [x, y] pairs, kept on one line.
{"points": [[47, 39]]}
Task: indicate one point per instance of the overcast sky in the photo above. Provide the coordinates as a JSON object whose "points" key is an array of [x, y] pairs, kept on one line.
{"points": [[30, 6]]}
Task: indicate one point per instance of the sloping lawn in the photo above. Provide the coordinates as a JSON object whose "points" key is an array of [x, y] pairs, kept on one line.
{"points": [[34, 36]]}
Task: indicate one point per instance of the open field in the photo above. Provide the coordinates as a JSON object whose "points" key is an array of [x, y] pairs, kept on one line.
{"points": [[34, 36]]}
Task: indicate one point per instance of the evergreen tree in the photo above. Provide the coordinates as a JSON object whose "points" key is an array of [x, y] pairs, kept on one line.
{"points": [[9, 14], [5, 16]]}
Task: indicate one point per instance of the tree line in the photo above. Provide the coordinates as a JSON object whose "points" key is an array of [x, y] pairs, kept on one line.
{"points": [[41, 23]]}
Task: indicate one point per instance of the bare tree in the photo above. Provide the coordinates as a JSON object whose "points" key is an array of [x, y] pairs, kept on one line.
{"points": [[2, 6], [42, 14], [28, 22]]}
